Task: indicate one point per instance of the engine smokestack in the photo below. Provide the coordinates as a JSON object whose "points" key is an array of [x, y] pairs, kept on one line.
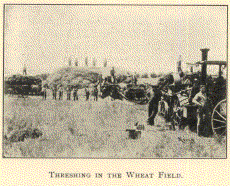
{"points": [[204, 54], [204, 66]]}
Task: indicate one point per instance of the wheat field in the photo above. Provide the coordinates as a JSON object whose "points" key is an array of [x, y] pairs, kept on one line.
{"points": [[90, 129]]}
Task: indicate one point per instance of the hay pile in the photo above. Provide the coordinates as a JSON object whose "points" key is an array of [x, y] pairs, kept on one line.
{"points": [[80, 76], [75, 76]]}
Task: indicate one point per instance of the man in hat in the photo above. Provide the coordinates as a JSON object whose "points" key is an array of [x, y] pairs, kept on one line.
{"points": [[60, 90], [75, 95], [95, 92], [68, 93], [87, 93], [153, 106], [24, 70], [135, 79], [112, 73], [194, 90], [44, 91], [55, 92], [200, 100]]}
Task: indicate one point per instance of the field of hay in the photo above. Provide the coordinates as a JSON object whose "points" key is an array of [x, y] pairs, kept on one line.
{"points": [[92, 129]]}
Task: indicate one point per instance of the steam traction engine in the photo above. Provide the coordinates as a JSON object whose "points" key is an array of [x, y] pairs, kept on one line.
{"points": [[183, 110]]}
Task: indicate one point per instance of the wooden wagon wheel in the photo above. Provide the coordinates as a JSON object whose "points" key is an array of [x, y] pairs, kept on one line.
{"points": [[219, 119]]}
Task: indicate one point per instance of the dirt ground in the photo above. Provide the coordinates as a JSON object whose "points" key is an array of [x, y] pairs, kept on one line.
{"points": [[93, 129]]}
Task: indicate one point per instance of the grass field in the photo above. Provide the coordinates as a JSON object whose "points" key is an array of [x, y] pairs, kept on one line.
{"points": [[96, 130]]}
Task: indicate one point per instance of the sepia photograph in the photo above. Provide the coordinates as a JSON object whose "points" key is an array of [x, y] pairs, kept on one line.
{"points": [[115, 81]]}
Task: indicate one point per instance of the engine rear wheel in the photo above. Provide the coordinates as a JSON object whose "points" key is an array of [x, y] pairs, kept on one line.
{"points": [[219, 119]]}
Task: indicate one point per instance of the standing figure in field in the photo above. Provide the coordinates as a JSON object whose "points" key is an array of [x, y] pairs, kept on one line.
{"points": [[153, 106], [200, 100], [54, 92], [194, 90], [180, 72], [44, 92], [112, 73], [60, 92], [95, 93], [87, 94], [135, 80], [24, 70], [75, 95], [68, 93], [165, 83]]}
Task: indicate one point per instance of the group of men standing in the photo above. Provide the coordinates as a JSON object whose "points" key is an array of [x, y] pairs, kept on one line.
{"points": [[69, 91]]}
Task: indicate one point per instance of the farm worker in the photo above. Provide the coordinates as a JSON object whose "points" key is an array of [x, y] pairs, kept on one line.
{"points": [[24, 71], [135, 79], [68, 93], [54, 93], [75, 95], [200, 100], [112, 73], [95, 92], [87, 94], [180, 72], [195, 89], [60, 92], [153, 106], [44, 91]]}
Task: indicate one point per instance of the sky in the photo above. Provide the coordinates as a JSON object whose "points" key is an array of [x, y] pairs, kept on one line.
{"points": [[136, 38]]}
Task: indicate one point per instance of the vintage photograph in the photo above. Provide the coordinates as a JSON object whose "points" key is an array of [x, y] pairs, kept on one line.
{"points": [[115, 81]]}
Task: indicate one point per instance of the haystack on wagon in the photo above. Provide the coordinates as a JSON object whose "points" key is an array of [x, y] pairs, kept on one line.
{"points": [[23, 85]]}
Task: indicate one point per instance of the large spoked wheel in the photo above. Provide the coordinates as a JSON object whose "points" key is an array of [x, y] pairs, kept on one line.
{"points": [[219, 119]]}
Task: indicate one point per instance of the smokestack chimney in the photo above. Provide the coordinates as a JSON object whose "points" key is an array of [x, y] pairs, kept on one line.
{"points": [[204, 66], [204, 54]]}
